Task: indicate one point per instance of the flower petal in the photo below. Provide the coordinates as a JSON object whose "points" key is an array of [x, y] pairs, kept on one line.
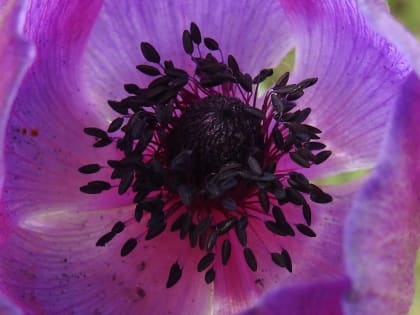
{"points": [[6, 308], [45, 144], [359, 76], [389, 27], [313, 259], [50, 265], [255, 32], [16, 54], [382, 230], [56, 249], [318, 298]]}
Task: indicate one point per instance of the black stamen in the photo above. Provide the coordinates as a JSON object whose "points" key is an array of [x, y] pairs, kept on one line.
{"points": [[115, 124], [226, 251], [322, 157], [250, 259], [317, 195], [211, 241], [210, 276], [118, 227], [187, 42], [149, 52], [282, 259], [195, 33], [254, 166], [105, 239], [148, 70], [278, 215], [264, 201], [205, 262], [305, 230], [103, 142], [95, 132], [225, 226], [90, 169], [233, 64], [211, 43], [95, 187], [174, 275], [307, 83], [128, 247], [300, 160], [264, 74], [229, 204], [306, 210], [138, 213], [282, 81]]}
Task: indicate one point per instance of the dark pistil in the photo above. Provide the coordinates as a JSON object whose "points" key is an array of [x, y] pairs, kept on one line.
{"points": [[216, 130]]}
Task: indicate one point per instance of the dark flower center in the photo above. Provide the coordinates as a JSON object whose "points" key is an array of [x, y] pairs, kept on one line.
{"points": [[201, 159], [215, 131]]}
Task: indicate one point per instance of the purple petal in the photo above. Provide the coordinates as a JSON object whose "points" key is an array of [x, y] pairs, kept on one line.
{"points": [[255, 32], [45, 144], [16, 54], [378, 15], [318, 298], [382, 230], [313, 259], [359, 76], [55, 249], [7, 308], [50, 265]]}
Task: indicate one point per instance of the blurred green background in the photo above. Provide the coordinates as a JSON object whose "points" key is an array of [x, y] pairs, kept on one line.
{"points": [[408, 12]]}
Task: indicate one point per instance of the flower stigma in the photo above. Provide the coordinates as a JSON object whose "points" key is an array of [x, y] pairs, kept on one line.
{"points": [[202, 156]]}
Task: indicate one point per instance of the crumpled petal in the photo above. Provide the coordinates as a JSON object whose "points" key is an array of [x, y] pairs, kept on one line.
{"points": [[16, 54], [382, 230], [255, 32], [318, 298], [359, 74]]}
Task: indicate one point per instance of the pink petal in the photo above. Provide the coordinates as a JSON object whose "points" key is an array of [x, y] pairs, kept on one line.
{"points": [[380, 18], [318, 298], [382, 231], [50, 265], [359, 74], [52, 258], [45, 144], [313, 259], [7, 308], [16, 54], [113, 49]]}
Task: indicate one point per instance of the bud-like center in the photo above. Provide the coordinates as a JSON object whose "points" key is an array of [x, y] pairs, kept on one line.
{"points": [[216, 131]]}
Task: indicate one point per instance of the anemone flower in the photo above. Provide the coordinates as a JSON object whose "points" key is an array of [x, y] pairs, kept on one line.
{"points": [[146, 170]]}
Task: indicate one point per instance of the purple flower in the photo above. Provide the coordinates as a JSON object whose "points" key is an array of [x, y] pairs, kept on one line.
{"points": [[250, 194]]}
